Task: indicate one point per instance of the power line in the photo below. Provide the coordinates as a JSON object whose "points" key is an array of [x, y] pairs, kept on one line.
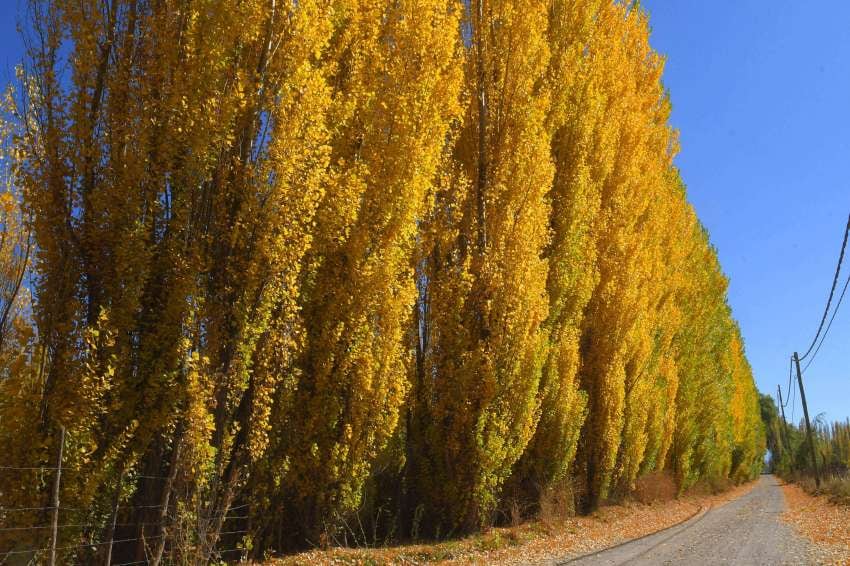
{"points": [[831, 292], [793, 404], [788, 391], [828, 326]]}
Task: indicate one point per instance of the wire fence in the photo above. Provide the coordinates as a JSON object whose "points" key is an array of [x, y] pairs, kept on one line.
{"points": [[56, 528], [96, 544]]}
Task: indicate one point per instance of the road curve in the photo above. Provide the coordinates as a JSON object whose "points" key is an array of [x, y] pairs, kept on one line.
{"points": [[747, 531]]}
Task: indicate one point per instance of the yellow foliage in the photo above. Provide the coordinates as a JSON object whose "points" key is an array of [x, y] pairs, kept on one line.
{"points": [[482, 279], [324, 258]]}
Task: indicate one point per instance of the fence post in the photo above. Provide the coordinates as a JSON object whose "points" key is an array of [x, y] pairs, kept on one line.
{"points": [[114, 520], [56, 480]]}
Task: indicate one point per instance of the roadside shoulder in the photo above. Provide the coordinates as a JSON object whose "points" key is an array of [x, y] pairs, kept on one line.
{"points": [[538, 542], [825, 524]]}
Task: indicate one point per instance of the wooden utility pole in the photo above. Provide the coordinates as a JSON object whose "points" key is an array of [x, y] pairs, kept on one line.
{"points": [[808, 423], [56, 479], [784, 432]]}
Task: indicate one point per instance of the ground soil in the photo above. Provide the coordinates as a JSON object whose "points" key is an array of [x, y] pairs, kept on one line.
{"points": [[825, 524]]}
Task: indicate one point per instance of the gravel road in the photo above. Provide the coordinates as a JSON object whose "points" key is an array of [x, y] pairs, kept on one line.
{"points": [[747, 530]]}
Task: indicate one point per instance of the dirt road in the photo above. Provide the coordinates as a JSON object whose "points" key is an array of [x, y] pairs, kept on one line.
{"points": [[745, 531]]}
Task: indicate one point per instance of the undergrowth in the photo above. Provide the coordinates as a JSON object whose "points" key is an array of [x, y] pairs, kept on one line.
{"points": [[836, 487]]}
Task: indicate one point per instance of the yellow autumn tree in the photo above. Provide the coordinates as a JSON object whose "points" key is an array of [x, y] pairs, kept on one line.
{"points": [[172, 181], [293, 258], [483, 281], [616, 330], [15, 243], [575, 120], [749, 437], [651, 377], [396, 85], [701, 448], [19, 391]]}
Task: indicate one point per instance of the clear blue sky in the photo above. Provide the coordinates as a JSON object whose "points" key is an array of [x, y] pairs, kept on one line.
{"points": [[761, 95], [11, 48]]}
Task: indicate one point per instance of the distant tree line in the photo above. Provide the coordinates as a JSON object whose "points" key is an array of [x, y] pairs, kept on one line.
{"points": [[789, 447]]}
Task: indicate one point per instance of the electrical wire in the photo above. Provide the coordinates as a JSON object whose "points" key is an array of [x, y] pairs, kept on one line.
{"points": [[828, 326], [788, 391], [793, 404], [831, 292]]}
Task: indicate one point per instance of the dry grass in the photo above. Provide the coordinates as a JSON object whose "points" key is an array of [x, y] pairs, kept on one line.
{"points": [[657, 486], [557, 505], [714, 487], [835, 488], [556, 536], [824, 523]]}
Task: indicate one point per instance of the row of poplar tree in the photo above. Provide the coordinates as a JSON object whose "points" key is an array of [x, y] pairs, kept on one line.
{"points": [[294, 260], [790, 451]]}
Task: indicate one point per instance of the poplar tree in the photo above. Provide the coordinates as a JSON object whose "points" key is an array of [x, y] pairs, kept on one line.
{"points": [[481, 339], [574, 120], [18, 394], [615, 333], [396, 81], [169, 230], [701, 443]]}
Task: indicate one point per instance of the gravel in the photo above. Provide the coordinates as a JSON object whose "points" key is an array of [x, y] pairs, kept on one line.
{"points": [[747, 531]]}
